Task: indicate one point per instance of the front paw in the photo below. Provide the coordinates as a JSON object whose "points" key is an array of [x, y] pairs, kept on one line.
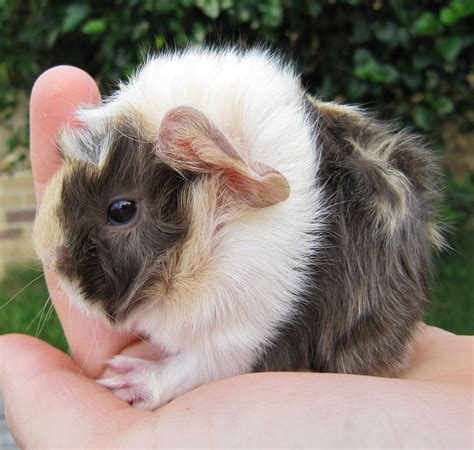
{"points": [[139, 383]]}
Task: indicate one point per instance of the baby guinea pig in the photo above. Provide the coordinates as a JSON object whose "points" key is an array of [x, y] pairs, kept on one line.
{"points": [[215, 207]]}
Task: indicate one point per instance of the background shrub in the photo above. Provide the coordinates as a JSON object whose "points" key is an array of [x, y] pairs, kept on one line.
{"points": [[411, 59]]}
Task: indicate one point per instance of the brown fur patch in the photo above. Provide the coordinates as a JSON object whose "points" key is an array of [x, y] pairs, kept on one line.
{"points": [[111, 264], [370, 280]]}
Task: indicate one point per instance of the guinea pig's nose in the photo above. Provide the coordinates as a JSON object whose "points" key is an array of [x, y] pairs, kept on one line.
{"points": [[62, 257]]}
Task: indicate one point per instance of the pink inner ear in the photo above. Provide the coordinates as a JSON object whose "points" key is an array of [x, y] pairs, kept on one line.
{"points": [[187, 134], [190, 141], [187, 146]]}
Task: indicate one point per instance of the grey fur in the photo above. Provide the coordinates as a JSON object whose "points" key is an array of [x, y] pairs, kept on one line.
{"points": [[370, 283]]}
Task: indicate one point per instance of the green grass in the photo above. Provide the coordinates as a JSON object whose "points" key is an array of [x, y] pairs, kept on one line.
{"points": [[452, 306], [452, 300], [25, 307]]}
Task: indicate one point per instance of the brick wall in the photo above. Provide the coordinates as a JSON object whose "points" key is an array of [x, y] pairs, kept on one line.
{"points": [[17, 212]]}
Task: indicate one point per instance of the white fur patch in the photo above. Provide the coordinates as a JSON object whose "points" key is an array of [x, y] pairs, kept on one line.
{"points": [[259, 265]]}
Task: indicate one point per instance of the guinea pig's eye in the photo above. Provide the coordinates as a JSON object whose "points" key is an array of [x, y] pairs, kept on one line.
{"points": [[121, 212]]}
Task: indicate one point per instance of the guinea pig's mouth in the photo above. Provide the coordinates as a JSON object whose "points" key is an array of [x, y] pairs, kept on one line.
{"points": [[115, 311], [73, 292]]}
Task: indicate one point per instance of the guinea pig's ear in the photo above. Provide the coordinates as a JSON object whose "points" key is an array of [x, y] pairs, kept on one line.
{"points": [[189, 141]]}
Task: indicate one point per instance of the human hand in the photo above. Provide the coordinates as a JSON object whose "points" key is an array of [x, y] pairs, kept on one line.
{"points": [[51, 403]]}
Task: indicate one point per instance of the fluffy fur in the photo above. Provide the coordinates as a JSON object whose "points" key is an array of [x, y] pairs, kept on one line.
{"points": [[275, 232]]}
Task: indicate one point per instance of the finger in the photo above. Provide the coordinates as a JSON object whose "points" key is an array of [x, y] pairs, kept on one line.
{"points": [[54, 98], [440, 356], [431, 331], [49, 404]]}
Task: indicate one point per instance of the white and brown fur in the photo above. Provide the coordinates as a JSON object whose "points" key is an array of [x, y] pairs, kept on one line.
{"points": [[275, 232]]}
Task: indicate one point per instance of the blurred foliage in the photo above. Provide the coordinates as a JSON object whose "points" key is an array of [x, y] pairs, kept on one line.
{"points": [[414, 60]]}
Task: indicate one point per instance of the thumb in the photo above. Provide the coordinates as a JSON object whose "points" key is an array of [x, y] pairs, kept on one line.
{"points": [[48, 403]]}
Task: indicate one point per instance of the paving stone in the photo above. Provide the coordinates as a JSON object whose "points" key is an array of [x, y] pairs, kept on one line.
{"points": [[6, 439]]}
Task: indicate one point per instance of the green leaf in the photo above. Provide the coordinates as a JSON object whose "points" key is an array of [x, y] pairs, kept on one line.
{"points": [[388, 73], [75, 14], [362, 56], [412, 79], [159, 41], [199, 32], [369, 69], [140, 29], [244, 13], [442, 105], [272, 13], [448, 16], [391, 34], [427, 25], [52, 37], [457, 10], [450, 47], [432, 79], [226, 4], [378, 73], [313, 8], [424, 118], [3, 73], [356, 89], [360, 33], [328, 90], [421, 60], [94, 27], [255, 24], [386, 32], [210, 8]]}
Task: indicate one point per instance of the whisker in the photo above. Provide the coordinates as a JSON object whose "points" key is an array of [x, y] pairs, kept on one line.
{"points": [[32, 268], [40, 327], [21, 290], [39, 314]]}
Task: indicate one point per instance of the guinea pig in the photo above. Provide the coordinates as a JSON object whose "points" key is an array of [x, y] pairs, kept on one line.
{"points": [[215, 207]]}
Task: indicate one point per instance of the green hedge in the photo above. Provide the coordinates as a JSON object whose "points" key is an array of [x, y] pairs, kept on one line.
{"points": [[414, 59]]}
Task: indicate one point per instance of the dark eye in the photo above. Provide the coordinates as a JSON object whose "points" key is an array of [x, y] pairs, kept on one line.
{"points": [[121, 212]]}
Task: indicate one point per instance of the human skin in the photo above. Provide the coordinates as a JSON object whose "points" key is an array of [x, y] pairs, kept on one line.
{"points": [[51, 400]]}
